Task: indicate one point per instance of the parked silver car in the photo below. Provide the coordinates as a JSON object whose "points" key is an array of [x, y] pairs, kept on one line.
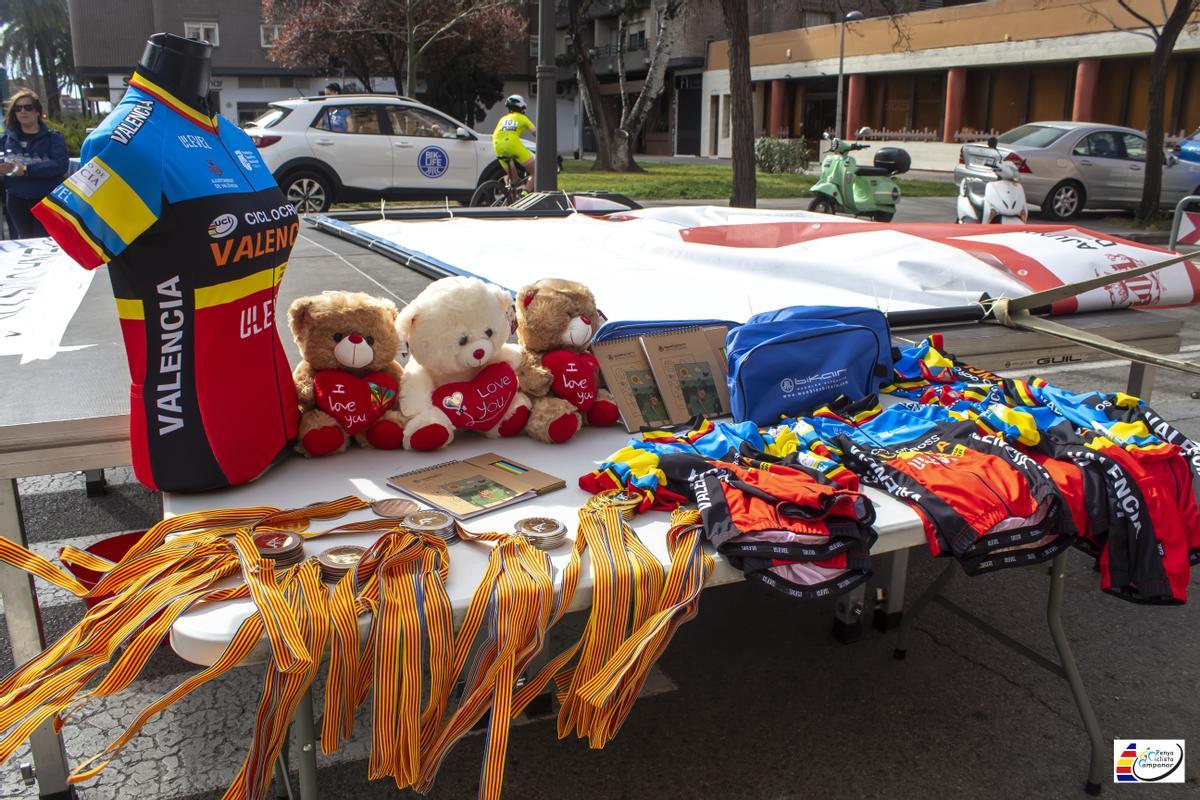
{"points": [[1066, 167]]}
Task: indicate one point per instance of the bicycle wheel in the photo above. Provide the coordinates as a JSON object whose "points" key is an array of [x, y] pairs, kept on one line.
{"points": [[490, 193]]}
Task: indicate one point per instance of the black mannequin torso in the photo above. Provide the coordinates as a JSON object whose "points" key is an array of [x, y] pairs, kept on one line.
{"points": [[181, 66]]}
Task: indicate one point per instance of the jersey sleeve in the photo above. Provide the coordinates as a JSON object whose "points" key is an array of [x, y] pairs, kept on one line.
{"points": [[526, 124], [109, 202]]}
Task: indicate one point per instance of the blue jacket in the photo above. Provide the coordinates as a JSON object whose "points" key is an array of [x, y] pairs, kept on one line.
{"points": [[47, 165]]}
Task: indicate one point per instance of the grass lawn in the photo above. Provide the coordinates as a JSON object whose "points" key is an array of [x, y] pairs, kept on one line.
{"points": [[706, 182]]}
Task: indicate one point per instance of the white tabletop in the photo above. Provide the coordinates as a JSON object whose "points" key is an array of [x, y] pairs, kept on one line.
{"points": [[203, 633]]}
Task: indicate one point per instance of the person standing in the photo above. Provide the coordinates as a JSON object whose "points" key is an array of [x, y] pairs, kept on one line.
{"points": [[35, 161]]}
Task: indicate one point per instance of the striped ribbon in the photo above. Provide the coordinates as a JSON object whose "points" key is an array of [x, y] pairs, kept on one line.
{"points": [[411, 657]]}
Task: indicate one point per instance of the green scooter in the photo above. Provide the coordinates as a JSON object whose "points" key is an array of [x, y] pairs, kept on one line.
{"points": [[846, 188]]}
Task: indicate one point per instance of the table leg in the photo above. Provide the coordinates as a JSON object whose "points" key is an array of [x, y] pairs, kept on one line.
{"points": [[94, 482], [888, 613], [1141, 380], [1054, 617], [847, 617], [306, 743], [911, 615], [25, 634], [283, 776]]}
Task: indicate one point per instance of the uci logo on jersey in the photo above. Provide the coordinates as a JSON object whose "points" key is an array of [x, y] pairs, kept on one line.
{"points": [[222, 226], [253, 245]]}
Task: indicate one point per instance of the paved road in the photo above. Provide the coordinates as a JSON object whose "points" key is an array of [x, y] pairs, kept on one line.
{"points": [[755, 699]]}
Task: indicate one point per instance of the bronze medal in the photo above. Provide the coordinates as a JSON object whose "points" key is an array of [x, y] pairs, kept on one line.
{"points": [[394, 507], [436, 522], [542, 532], [337, 561], [283, 547]]}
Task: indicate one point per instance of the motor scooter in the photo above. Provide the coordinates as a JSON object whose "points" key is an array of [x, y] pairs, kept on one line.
{"points": [[993, 202], [846, 187]]}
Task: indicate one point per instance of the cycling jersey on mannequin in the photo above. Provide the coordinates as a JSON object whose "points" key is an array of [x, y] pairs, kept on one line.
{"points": [[197, 235]]}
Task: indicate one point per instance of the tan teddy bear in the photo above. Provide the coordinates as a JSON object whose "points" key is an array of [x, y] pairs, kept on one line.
{"points": [[349, 379], [555, 323]]}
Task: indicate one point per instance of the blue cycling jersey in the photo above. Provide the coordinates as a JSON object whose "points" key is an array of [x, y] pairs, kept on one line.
{"points": [[197, 235]]}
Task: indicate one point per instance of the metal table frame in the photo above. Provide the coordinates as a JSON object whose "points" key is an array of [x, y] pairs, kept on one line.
{"points": [[94, 444]]}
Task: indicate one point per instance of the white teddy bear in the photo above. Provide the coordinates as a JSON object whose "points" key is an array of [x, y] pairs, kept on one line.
{"points": [[460, 374]]}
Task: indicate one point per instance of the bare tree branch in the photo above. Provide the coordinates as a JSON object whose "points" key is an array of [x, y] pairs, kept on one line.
{"points": [[1094, 12], [1141, 18], [622, 32]]}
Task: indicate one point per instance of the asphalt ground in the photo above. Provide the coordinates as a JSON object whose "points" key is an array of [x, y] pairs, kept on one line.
{"points": [[755, 697]]}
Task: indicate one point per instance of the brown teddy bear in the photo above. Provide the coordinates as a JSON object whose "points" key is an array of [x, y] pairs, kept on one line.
{"points": [[349, 379], [555, 323]]}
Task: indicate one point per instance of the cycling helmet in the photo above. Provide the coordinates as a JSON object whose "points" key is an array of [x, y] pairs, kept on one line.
{"points": [[515, 103]]}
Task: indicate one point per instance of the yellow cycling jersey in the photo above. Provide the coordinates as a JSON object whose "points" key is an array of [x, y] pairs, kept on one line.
{"points": [[509, 129]]}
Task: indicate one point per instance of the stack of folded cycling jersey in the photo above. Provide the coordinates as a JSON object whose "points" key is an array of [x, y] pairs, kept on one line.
{"points": [[1130, 478], [786, 526], [1002, 473]]}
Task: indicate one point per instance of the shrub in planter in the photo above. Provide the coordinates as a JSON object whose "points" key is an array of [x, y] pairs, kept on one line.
{"points": [[781, 155]]}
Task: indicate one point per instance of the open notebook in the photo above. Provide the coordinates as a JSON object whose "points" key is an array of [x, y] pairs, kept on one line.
{"points": [[476, 485]]}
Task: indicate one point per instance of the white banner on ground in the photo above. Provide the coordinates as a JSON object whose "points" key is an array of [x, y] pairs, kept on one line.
{"points": [[714, 262], [40, 290]]}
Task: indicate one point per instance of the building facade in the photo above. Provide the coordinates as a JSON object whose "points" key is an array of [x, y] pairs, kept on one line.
{"points": [[108, 37], [674, 124], [958, 74]]}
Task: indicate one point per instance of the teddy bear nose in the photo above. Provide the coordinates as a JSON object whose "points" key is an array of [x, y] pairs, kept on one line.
{"points": [[478, 354], [355, 338]]}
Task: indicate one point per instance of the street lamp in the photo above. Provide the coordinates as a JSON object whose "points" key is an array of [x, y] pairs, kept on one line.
{"points": [[853, 16]]}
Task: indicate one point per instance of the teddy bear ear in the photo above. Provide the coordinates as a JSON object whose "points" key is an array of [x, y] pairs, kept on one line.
{"points": [[405, 323], [298, 313]]}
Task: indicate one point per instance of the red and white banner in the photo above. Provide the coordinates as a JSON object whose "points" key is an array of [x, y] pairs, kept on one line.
{"points": [[707, 261], [40, 290]]}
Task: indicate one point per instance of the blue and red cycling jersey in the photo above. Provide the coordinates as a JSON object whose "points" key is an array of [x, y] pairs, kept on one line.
{"points": [[196, 236]]}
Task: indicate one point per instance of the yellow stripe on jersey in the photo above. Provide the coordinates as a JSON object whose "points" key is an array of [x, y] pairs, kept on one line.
{"points": [[130, 309], [142, 82], [117, 204], [88, 239], [209, 296]]}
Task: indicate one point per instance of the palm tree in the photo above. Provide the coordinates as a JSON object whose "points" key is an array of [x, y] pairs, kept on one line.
{"points": [[35, 37]]}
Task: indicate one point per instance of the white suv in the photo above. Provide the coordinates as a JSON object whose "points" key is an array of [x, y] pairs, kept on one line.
{"points": [[343, 148]]}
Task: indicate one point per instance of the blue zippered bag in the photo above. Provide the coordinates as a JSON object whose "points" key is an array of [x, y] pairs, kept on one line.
{"points": [[797, 360], [871, 318]]}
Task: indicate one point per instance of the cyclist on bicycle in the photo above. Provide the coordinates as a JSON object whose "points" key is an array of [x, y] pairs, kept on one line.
{"points": [[506, 139]]}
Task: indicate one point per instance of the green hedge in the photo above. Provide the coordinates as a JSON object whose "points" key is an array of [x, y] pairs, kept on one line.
{"points": [[74, 130], [781, 156]]}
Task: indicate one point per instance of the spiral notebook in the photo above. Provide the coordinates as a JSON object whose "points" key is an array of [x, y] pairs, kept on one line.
{"points": [[472, 486]]}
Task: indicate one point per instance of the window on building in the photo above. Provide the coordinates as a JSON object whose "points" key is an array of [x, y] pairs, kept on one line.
{"points": [[533, 46], [637, 40], [416, 122], [725, 116], [268, 35], [204, 31], [349, 119], [249, 112], [815, 18]]}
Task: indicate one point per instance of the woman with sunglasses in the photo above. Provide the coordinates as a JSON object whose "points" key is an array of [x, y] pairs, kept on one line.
{"points": [[35, 161]]}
